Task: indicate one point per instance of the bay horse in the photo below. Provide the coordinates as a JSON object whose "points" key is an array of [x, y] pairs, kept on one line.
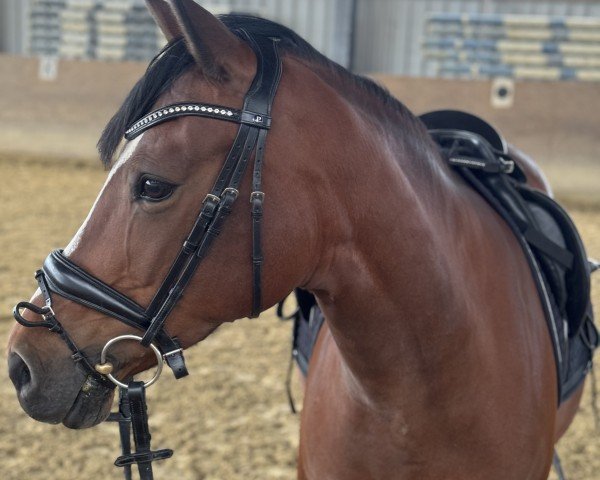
{"points": [[435, 360]]}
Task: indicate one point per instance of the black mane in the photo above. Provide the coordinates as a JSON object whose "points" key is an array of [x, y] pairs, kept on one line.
{"points": [[174, 60]]}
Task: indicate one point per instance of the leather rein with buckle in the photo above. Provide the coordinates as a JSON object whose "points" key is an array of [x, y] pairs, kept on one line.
{"points": [[61, 276]]}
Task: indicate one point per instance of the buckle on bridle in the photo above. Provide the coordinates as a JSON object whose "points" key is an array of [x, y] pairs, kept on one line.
{"points": [[232, 191], [47, 312], [210, 196], [508, 166], [167, 355], [257, 196]]}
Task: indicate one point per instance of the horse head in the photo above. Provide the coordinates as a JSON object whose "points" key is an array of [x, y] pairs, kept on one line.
{"points": [[156, 188]]}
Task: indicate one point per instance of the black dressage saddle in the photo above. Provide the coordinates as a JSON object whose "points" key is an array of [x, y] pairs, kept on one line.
{"points": [[546, 233]]}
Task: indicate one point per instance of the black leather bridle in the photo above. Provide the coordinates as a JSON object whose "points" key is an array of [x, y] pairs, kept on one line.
{"points": [[61, 276]]}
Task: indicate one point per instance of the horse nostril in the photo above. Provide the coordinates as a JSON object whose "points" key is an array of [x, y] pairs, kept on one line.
{"points": [[18, 371]]}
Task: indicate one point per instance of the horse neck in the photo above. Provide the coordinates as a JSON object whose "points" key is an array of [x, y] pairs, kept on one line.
{"points": [[382, 281]]}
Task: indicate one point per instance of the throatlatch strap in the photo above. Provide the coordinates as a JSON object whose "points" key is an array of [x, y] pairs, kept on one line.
{"points": [[257, 198], [262, 101]]}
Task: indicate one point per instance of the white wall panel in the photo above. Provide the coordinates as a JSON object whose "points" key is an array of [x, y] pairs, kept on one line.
{"points": [[326, 24], [389, 33], [13, 25]]}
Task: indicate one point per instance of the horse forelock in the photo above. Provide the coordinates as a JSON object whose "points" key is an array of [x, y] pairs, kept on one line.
{"points": [[170, 63]]}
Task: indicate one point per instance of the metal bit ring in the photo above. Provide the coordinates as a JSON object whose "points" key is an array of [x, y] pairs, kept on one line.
{"points": [[120, 338]]}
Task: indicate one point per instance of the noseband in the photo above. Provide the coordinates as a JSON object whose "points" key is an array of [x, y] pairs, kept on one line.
{"points": [[61, 276]]}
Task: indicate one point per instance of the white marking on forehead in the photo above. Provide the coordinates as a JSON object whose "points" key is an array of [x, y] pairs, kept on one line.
{"points": [[128, 151], [125, 155]]}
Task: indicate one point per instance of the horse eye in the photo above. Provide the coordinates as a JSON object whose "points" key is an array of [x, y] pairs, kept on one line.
{"points": [[154, 190]]}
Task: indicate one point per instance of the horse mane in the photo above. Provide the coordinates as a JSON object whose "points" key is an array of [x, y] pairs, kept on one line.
{"points": [[174, 60]]}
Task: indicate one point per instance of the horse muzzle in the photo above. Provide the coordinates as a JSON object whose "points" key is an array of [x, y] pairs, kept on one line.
{"points": [[57, 392]]}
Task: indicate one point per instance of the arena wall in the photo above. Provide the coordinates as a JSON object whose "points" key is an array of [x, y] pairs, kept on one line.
{"points": [[555, 122], [61, 117], [552, 121]]}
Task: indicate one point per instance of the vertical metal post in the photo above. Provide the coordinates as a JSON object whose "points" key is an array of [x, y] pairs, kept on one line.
{"points": [[13, 26], [352, 48]]}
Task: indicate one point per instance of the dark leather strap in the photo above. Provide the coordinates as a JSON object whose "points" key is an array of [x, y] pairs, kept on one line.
{"points": [[259, 101], [62, 276], [546, 246], [43, 286], [256, 200], [50, 322], [143, 456], [74, 283], [139, 423], [123, 418], [209, 209], [212, 231]]}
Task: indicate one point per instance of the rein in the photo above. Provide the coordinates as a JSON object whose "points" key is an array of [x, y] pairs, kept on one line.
{"points": [[61, 276]]}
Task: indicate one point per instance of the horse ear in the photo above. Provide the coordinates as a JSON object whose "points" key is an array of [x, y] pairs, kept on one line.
{"points": [[165, 19], [219, 53]]}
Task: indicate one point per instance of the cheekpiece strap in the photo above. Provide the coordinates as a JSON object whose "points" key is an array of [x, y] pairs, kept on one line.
{"points": [[254, 120]]}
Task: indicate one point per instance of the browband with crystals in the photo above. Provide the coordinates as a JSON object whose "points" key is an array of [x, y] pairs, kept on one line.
{"points": [[200, 110]]}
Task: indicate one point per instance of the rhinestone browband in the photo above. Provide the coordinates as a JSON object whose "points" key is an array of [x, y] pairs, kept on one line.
{"points": [[200, 110]]}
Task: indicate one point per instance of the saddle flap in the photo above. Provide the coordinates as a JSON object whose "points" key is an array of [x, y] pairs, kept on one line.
{"points": [[556, 224]]}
